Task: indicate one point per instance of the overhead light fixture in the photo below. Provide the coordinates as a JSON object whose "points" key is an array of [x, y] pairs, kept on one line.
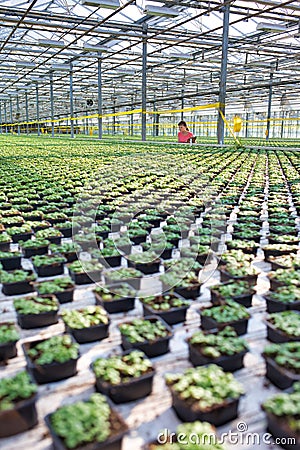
{"points": [[151, 10], [25, 64], [273, 27], [95, 48], [109, 4], [60, 67], [51, 43]]}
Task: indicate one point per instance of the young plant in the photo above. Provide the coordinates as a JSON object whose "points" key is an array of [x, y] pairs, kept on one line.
{"points": [[35, 305], [57, 349], [141, 330], [122, 369], [89, 316], [8, 333], [14, 389]]}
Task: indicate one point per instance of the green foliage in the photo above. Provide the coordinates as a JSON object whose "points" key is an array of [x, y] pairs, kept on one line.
{"points": [[118, 292], [230, 312], [85, 266], [85, 317], [205, 386], [141, 330], [223, 343], [286, 355], [286, 406], [48, 260], [35, 305], [83, 422], [123, 274], [8, 333], [55, 286], [286, 321], [16, 276], [165, 302], [14, 389], [122, 369], [58, 349]]}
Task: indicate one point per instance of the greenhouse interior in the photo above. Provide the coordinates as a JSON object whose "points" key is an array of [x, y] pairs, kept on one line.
{"points": [[149, 225]]}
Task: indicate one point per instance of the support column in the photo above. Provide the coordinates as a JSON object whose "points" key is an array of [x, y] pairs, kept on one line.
{"points": [[282, 125], [182, 104], [26, 113], [269, 106], [223, 77], [71, 101], [5, 117], [131, 118], [247, 120], [144, 85], [11, 113], [100, 106], [1, 128], [18, 114], [114, 119], [37, 106], [52, 104]]}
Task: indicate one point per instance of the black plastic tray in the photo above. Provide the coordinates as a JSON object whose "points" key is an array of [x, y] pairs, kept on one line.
{"points": [[11, 263], [85, 278], [112, 443], [8, 350], [277, 306], [29, 252], [279, 428], [147, 269], [228, 363], [240, 326], [21, 418], [50, 271], [225, 276], [19, 287], [171, 317], [278, 375], [151, 349], [127, 392], [90, 334], [278, 336], [191, 292], [29, 321], [218, 416], [116, 306], [49, 372]]}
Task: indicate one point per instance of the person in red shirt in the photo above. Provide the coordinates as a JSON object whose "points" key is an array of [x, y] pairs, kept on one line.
{"points": [[184, 135]]}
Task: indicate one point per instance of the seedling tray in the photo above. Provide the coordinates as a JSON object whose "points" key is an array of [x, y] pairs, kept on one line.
{"points": [[278, 336], [240, 326], [151, 349], [90, 334], [277, 306], [44, 319], [11, 263], [229, 363], [278, 375], [21, 418], [218, 416], [171, 317], [48, 373], [8, 350], [280, 429]]}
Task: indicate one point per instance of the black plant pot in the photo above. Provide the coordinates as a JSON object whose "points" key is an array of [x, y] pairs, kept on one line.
{"points": [[48, 373], [245, 299], [190, 292], [17, 288], [278, 336], [116, 306], [151, 349], [138, 239], [11, 263], [135, 283], [29, 321], [240, 326], [277, 306], [50, 270], [4, 246], [22, 237], [114, 442], [171, 317], [278, 375], [147, 268], [279, 428], [22, 417], [8, 350], [225, 276], [86, 277], [112, 261], [66, 296], [90, 334], [66, 231], [217, 416], [29, 252], [130, 391], [228, 363], [55, 239], [269, 253]]}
